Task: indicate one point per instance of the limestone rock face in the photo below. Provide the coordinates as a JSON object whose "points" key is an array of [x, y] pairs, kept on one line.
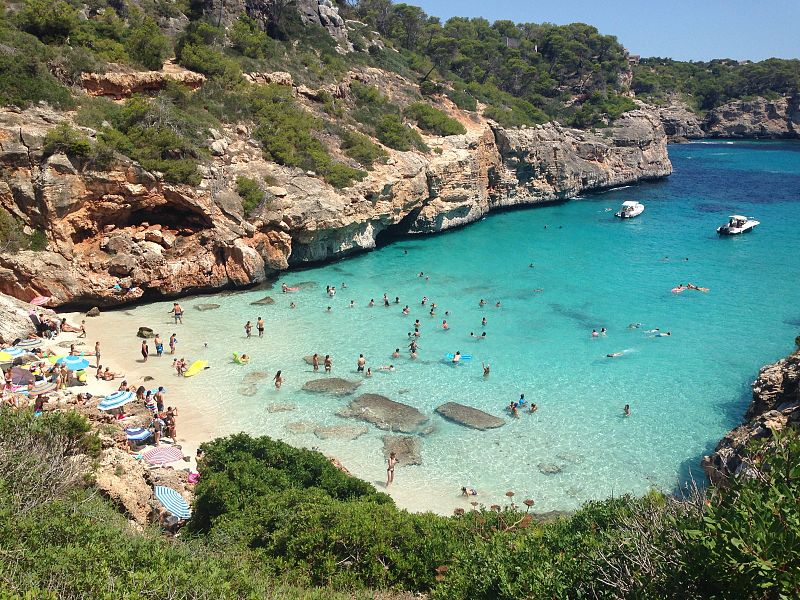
{"points": [[756, 118], [469, 417], [775, 405], [15, 322], [385, 413], [680, 123], [124, 84]]}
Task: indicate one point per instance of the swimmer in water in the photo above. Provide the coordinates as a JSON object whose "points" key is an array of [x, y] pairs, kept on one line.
{"points": [[497, 305], [533, 408], [328, 309], [445, 325], [486, 369], [656, 330], [468, 491], [614, 354], [292, 305], [634, 326], [483, 322], [386, 368], [521, 401], [371, 302], [482, 302], [457, 357], [352, 303], [602, 331], [369, 372], [396, 353], [406, 310], [594, 333], [627, 410], [663, 334]]}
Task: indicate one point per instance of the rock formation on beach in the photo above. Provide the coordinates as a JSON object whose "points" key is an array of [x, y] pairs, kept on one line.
{"points": [[775, 406], [384, 413], [468, 416]]}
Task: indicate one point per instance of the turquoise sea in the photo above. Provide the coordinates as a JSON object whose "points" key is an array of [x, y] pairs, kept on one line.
{"points": [[685, 391]]}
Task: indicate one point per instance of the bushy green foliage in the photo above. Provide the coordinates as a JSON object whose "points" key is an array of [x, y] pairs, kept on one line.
{"points": [[250, 192], [709, 84], [433, 120], [383, 119], [286, 133], [462, 99], [198, 49], [14, 239], [600, 108], [146, 44], [65, 138], [360, 148], [47, 20], [247, 38]]}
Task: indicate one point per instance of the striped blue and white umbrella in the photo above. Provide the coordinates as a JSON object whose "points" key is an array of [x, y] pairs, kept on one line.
{"points": [[31, 343], [138, 433], [42, 387], [173, 502], [74, 363], [14, 351], [115, 400]]}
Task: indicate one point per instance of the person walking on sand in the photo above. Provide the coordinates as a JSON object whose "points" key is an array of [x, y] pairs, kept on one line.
{"points": [[97, 354], [145, 350], [178, 312], [248, 328], [260, 327], [278, 379], [390, 468], [173, 341]]}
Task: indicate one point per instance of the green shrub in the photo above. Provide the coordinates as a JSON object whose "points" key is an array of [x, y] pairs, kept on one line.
{"points": [[51, 22], [391, 131], [433, 120], [340, 175], [250, 192], [25, 78], [249, 40], [146, 44], [64, 138], [383, 119], [462, 99], [360, 148]]}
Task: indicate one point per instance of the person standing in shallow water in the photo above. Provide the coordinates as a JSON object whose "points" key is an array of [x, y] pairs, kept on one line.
{"points": [[390, 468], [278, 379], [173, 341], [260, 327], [248, 328], [315, 362], [159, 343], [328, 363]]}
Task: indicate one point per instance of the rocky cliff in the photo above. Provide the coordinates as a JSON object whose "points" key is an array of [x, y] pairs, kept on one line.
{"points": [[775, 406], [118, 233], [756, 118]]}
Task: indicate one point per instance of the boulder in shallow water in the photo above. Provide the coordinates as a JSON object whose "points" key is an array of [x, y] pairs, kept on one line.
{"points": [[469, 417], [281, 407], [248, 390], [320, 357], [265, 300], [255, 376], [301, 427], [407, 449], [550, 468], [384, 413], [340, 432], [204, 307], [145, 332], [331, 385]]}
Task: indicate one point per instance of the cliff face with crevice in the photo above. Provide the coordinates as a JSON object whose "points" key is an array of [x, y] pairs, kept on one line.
{"points": [[119, 232], [774, 407]]}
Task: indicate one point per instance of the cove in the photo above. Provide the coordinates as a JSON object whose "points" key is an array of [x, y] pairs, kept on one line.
{"points": [[589, 271]]}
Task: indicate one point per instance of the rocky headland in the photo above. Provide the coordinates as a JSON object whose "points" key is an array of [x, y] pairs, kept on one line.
{"points": [[774, 407]]}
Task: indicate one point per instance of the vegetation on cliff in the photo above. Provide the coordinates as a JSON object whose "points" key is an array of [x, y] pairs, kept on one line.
{"points": [[266, 514]]}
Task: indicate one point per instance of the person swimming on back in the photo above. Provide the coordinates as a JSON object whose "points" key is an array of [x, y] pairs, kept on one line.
{"points": [[386, 368], [663, 334], [614, 354]]}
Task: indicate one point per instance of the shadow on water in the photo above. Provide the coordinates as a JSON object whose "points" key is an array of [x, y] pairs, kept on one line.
{"points": [[583, 319]]}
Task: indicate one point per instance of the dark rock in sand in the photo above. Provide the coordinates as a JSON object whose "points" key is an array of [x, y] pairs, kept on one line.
{"points": [[145, 332], [384, 413], [93, 312], [407, 449], [255, 376], [263, 301], [469, 417], [331, 385], [148, 378], [342, 432], [204, 307], [549, 468]]}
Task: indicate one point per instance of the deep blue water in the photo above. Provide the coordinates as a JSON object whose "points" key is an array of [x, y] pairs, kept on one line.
{"points": [[685, 391]]}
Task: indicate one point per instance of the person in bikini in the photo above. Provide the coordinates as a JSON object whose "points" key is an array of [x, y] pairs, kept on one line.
{"points": [[391, 462]]}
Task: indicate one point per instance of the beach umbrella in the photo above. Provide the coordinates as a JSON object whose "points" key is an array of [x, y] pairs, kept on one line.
{"points": [[29, 343], [115, 400], [138, 434], [162, 454], [173, 502], [42, 387], [40, 300], [13, 352], [20, 376], [74, 363]]}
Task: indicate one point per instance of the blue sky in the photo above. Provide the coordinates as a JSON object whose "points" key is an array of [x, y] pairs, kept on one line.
{"points": [[680, 29]]}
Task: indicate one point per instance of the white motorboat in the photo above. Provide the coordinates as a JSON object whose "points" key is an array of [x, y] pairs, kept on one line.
{"points": [[630, 209], [737, 224]]}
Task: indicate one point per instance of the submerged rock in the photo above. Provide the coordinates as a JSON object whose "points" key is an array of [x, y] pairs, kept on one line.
{"points": [[310, 359], [265, 300], [281, 407], [204, 307], [469, 417], [407, 449], [549, 468], [385, 413], [331, 385], [255, 376], [301, 427], [342, 432], [248, 390]]}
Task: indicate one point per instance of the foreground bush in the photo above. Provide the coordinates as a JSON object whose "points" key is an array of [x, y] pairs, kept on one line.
{"points": [[433, 120]]}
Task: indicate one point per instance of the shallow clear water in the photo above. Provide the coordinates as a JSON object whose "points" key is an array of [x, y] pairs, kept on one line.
{"points": [[685, 391]]}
